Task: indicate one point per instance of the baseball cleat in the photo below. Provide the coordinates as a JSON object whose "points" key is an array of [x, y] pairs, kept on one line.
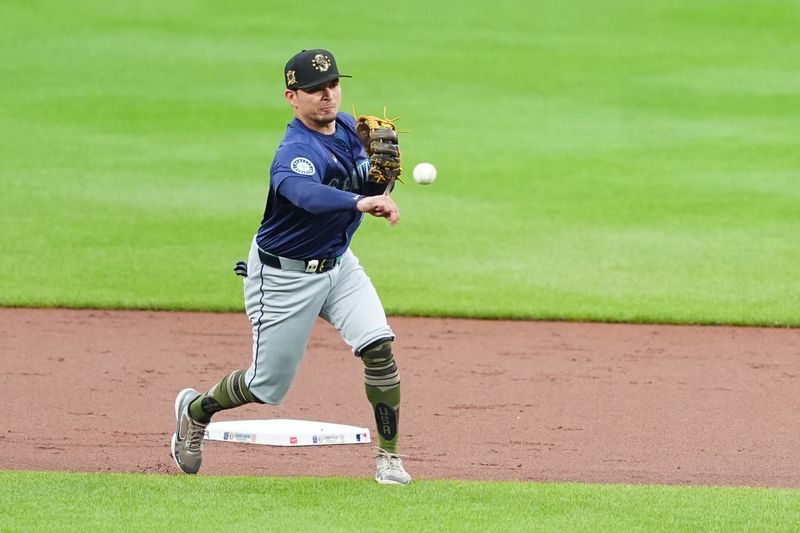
{"points": [[187, 441], [390, 469]]}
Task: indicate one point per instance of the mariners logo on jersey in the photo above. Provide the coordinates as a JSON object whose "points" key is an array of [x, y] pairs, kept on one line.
{"points": [[354, 182], [303, 166]]}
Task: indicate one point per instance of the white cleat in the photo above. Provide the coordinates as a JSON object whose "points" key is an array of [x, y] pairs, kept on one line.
{"points": [[390, 469]]}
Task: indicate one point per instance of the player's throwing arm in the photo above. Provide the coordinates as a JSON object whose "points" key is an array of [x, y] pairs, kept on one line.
{"points": [[380, 206]]}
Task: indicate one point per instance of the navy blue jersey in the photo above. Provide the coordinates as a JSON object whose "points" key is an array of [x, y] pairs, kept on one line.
{"points": [[315, 182]]}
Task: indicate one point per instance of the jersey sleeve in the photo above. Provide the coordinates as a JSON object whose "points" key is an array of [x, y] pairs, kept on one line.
{"points": [[296, 174], [317, 198], [296, 160]]}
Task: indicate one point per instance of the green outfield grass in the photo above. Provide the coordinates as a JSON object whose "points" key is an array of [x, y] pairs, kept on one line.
{"points": [[36, 501], [615, 161]]}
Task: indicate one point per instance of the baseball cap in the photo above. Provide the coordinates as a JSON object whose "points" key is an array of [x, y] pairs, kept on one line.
{"points": [[310, 68]]}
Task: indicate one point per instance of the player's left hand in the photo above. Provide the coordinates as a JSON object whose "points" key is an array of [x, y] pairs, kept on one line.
{"points": [[241, 269], [379, 138]]}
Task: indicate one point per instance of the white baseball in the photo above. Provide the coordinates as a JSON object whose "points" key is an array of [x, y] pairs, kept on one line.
{"points": [[424, 173]]}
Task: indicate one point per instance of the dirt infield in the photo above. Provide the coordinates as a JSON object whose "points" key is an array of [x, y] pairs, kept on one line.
{"points": [[94, 391]]}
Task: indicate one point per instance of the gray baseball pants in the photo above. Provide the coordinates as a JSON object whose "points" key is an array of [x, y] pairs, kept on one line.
{"points": [[283, 306]]}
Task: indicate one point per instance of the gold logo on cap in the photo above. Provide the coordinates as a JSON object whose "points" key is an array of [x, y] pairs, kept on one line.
{"points": [[290, 79], [321, 62]]}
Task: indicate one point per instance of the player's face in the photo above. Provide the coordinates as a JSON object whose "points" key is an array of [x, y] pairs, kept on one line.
{"points": [[317, 106]]}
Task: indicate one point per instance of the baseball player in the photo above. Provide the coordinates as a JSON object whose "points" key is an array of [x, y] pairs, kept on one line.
{"points": [[300, 267]]}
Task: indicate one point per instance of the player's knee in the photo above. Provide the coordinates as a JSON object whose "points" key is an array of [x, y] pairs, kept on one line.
{"points": [[380, 370], [378, 351]]}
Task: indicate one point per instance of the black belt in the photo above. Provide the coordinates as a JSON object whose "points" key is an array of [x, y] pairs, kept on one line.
{"points": [[315, 266]]}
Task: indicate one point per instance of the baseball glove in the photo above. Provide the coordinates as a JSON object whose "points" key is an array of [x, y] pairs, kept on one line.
{"points": [[379, 138]]}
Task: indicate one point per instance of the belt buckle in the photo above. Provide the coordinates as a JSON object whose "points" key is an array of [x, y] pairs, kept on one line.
{"points": [[312, 266]]}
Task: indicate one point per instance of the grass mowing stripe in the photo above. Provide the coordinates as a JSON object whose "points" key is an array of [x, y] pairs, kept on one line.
{"points": [[41, 501], [638, 164]]}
